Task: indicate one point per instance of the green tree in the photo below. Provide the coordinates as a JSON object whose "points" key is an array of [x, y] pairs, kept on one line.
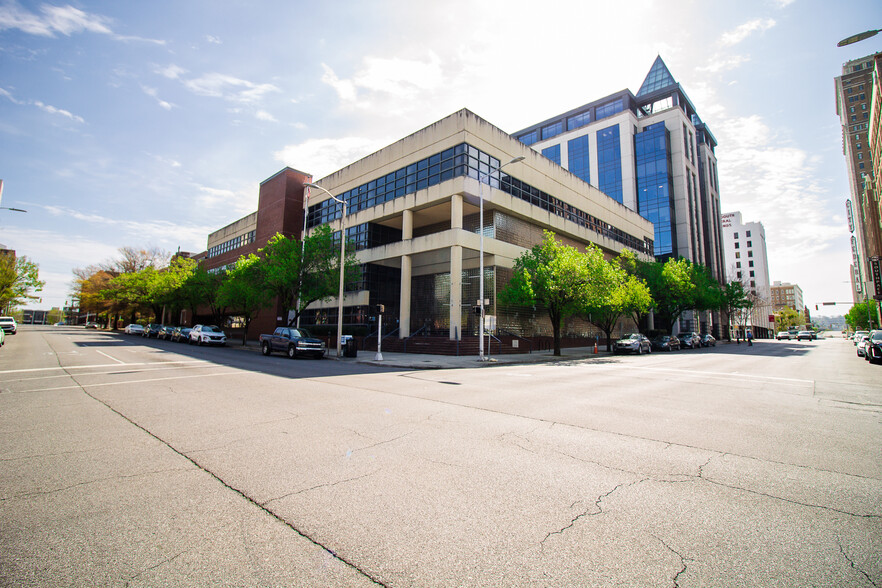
{"points": [[626, 295], [167, 290], [243, 290], [733, 303], [858, 318], [560, 279], [670, 285], [18, 278], [788, 318], [201, 289], [302, 272]]}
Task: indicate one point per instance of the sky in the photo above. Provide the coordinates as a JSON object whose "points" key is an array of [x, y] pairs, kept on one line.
{"points": [[152, 124]]}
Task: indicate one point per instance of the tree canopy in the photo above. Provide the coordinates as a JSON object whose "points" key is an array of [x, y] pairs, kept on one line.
{"points": [[19, 279]]}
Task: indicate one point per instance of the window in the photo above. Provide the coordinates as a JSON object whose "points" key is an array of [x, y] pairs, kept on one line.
{"points": [[737, 255], [736, 235], [551, 130], [552, 153], [579, 162], [750, 264], [737, 264], [750, 243], [748, 233], [609, 162], [528, 138], [578, 120], [739, 275], [751, 273], [737, 244], [608, 109], [750, 254]]}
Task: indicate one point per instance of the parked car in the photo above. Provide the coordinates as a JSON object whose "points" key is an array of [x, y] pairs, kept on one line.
{"points": [[873, 352], [207, 335], [783, 335], [181, 334], [708, 340], [60, 324], [293, 342], [2, 337], [151, 330], [666, 343], [165, 332], [134, 329], [856, 338], [92, 325], [690, 340], [807, 335], [8, 324], [633, 343], [862, 345]]}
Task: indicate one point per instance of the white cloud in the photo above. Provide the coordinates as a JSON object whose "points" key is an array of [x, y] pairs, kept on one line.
{"points": [[321, 157], [154, 93], [229, 88], [383, 79], [171, 71], [720, 63], [743, 31], [65, 20], [52, 110], [9, 95], [265, 116], [213, 40]]}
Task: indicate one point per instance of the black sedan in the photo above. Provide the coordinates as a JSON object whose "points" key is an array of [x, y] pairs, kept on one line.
{"points": [[666, 343]]}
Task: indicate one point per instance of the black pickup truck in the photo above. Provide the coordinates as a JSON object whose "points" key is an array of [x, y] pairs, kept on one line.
{"points": [[292, 341]]}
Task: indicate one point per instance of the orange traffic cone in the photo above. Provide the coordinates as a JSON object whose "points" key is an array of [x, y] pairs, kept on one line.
{"points": [[595, 347]]}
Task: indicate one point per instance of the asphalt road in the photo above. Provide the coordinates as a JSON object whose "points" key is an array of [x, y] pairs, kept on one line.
{"points": [[133, 463]]}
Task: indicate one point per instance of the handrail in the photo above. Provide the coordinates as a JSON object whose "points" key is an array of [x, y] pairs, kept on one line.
{"points": [[516, 336], [414, 334]]}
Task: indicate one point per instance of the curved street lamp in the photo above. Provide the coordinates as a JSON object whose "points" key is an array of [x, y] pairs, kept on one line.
{"points": [[342, 266], [481, 270], [858, 37], [13, 209]]}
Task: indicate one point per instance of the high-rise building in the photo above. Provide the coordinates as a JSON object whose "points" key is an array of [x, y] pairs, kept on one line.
{"points": [[854, 100], [747, 261], [651, 153]]}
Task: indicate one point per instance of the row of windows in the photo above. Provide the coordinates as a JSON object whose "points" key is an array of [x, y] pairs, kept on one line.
{"points": [[749, 243], [465, 160], [747, 233], [234, 243], [654, 188], [573, 122], [738, 264]]}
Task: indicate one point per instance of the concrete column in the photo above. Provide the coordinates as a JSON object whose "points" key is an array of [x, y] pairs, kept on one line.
{"points": [[407, 225], [456, 289], [404, 306], [456, 211]]}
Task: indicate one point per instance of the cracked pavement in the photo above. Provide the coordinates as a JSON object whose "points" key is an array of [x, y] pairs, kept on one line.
{"points": [[672, 470]]}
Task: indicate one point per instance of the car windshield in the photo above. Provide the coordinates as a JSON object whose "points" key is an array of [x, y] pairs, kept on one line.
{"points": [[302, 333], [210, 329], [876, 336]]}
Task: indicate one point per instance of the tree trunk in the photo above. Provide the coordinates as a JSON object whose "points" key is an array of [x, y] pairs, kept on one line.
{"points": [[555, 325]]}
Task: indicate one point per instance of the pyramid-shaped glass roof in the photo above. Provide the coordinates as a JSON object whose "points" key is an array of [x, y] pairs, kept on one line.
{"points": [[658, 77]]}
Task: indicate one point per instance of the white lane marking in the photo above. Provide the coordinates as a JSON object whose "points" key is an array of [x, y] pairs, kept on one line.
{"points": [[721, 374], [108, 357], [102, 365], [127, 382]]}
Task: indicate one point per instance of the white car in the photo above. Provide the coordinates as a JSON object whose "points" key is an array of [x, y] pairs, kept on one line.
{"points": [[7, 323], [207, 335], [134, 329], [862, 344]]}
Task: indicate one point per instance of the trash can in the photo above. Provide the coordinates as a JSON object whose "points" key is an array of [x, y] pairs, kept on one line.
{"points": [[348, 345]]}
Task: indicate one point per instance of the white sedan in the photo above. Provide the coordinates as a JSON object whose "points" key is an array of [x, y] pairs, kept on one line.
{"points": [[134, 329]]}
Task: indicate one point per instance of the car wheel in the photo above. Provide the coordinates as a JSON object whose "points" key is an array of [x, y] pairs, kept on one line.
{"points": [[265, 348], [292, 352], [199, 341], [639, 350]]}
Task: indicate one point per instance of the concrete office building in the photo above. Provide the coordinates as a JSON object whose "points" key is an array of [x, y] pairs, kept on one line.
{"points": [[652, 153], [787, 295], [412, 216], [854, 100], [747, 261]]}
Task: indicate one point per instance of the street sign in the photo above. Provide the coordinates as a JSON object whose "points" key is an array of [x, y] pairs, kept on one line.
{"points": [[877, 276]]}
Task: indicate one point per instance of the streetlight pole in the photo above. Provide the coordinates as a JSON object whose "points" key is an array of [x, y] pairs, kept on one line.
{"points": [[481, 256], [342, 265]]}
